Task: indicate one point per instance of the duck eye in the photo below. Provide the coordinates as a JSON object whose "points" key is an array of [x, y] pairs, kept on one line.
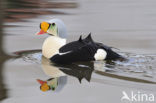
{"points": [[53, 24]]}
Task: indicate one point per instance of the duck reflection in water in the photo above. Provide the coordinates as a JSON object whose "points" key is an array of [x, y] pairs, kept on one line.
{"points": [[50, 84], [57, 78], [58, 74]]}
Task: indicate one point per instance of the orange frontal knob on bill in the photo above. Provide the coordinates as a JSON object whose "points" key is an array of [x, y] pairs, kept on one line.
{"points": [[44, 27]]}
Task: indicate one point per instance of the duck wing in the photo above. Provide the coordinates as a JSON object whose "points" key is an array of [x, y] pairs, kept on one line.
{"points": [[75, 51], [84, 50], [110, 54]]}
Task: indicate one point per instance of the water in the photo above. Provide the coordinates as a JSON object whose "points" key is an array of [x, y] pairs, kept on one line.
{"points": [[127, 25], [137, 67]]}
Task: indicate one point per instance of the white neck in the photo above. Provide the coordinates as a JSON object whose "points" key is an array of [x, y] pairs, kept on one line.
{"points": [[52, 45]]}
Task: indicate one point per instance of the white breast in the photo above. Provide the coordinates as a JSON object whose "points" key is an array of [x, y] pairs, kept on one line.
{"points": [[52, 45]]}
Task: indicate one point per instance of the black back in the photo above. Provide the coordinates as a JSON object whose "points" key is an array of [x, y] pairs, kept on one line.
{"points": [[82, 50]]}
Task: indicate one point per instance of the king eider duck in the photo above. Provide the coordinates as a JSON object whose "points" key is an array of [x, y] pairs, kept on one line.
{"points": [[56, 49]]}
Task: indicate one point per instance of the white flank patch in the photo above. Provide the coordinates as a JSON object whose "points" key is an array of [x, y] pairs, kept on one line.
{"points": [[100, 54]]}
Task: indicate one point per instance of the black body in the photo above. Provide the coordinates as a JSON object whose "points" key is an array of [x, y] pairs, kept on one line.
{"points": [[82, 50]]}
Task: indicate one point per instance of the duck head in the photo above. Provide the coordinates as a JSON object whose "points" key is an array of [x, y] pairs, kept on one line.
{"points": [[53, 27], [58, 34]]}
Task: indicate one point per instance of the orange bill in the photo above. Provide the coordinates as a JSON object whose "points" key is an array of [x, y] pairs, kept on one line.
{"points": [[41, 32]]}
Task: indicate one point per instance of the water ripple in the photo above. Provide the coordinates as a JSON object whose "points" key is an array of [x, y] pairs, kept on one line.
{"points": [[138, 67]]}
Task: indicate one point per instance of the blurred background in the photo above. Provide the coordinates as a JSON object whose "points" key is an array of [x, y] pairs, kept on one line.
{"points": [[129, 25]]}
